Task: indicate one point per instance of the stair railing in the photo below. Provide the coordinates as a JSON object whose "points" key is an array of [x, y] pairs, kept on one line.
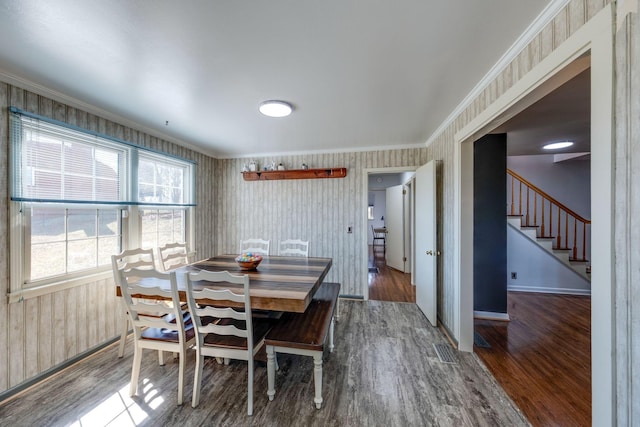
{"points": [[530, 202]]}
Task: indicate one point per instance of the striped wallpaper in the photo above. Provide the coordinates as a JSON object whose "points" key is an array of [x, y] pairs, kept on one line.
{"points": [[317, 210], [39, 333], [42, 332]]}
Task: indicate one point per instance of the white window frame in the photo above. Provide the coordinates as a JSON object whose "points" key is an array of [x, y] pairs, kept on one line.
{"points": [[20, 232], [370, 213], [160, 208], [20, 289]]}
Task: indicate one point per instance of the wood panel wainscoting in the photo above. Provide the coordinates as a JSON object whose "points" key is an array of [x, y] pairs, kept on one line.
{"points": [[542, 357]]}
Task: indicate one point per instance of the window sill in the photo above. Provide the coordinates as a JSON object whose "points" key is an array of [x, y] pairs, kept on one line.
{"points": [[20, 295]]}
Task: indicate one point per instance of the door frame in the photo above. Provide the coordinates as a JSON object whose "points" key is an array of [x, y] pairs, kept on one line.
{"points": [[596, 37], [364, 262]]}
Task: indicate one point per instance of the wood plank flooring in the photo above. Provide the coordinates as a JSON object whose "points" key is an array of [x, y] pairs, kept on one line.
{"points": [[542, 357], [388, 284], [383, 372]]}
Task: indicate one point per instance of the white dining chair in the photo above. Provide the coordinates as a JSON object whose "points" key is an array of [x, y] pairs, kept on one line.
{"points": [[131, 258], [229, 333], [173, 255], [256, 246], [156, 325], [293, 247]]}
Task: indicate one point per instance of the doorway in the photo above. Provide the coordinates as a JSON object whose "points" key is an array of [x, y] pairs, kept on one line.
{"points": [[594, 38], [388, 216], [531, 330]]}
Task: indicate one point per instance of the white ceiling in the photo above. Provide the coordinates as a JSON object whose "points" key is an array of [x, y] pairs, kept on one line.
{"points": [[361, 74], [562, 115]]}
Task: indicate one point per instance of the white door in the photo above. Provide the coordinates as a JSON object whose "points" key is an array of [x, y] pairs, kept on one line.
{"points": [[425, 241], [394, 220]]}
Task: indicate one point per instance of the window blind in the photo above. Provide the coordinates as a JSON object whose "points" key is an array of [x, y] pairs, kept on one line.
{"points": [[161, 181], [55, 163]]}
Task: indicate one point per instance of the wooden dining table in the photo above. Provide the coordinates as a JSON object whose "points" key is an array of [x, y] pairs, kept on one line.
{"points": [[280, 283]]}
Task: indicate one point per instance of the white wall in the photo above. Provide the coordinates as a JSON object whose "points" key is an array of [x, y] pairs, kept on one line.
{"points": [[569, 182], [538, 270]]}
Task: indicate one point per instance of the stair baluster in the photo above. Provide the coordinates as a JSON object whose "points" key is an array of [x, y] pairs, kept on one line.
{"points": [[527, 222], [542, 219], [520, 199], [584, 247], [575, 240], [558, 244], [551, 218], [513, 211], [546, 230]]}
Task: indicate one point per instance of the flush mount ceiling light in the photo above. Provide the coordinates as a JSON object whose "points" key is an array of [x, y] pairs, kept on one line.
{"points": [[558, 145], [275, 108]]}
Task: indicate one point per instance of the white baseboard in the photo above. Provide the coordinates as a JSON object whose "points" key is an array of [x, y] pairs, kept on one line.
{"points": [[490, 315], [549, 290]]}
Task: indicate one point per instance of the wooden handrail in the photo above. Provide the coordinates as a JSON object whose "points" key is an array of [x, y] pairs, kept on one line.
{"points": [[579, 242], [547, 196]]}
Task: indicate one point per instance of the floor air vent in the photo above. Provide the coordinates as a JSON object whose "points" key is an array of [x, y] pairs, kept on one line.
{"points": [[445, 353], [479, 341]]}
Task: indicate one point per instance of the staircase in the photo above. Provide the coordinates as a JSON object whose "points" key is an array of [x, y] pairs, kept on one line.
{"points": [[549, 223]]}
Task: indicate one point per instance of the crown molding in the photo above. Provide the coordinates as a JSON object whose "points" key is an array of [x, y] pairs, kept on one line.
{"points": [[325, 151], [541, 21], [36, 88]]}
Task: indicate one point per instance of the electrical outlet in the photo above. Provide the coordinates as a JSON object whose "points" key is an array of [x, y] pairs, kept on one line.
{"points": [[514, 275]]}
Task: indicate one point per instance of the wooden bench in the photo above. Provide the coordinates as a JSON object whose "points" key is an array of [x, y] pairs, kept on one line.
{"points": [[304, 334]]}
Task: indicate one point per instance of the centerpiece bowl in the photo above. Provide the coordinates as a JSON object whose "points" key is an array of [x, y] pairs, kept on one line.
{"points": [[248, 261]]}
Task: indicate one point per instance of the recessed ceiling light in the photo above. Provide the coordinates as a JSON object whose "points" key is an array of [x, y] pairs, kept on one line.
{"points": [[275, 108], [558, 145]]}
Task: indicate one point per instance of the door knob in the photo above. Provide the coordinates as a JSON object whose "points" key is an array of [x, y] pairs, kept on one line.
{"points": [[432, 253]]}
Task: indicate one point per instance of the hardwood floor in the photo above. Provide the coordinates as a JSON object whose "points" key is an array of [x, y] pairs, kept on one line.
{"points": [[388, 284], [384, 371], [542, 357]]}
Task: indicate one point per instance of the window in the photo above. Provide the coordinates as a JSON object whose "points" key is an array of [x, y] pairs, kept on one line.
{"points": [[65, 241], [79, 197], [162, 226], [161, 181]]}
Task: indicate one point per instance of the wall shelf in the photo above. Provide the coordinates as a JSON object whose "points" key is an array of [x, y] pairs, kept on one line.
{"points": [[295, 174]]}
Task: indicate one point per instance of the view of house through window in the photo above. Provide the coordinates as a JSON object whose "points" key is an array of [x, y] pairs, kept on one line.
{"points": [[71, 190], [161, 226], [161, 181], [72, 240]]}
